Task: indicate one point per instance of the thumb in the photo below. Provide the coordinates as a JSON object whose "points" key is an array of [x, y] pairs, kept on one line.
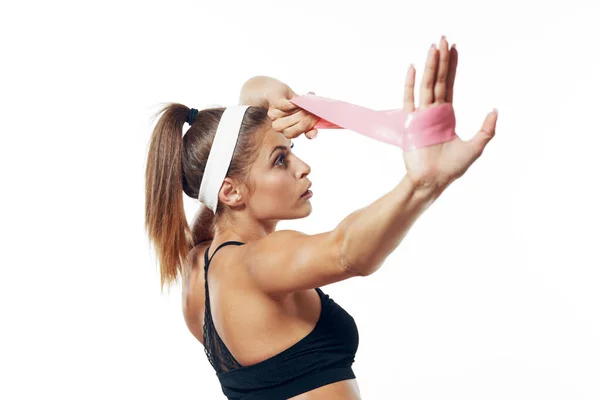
{"points": [[487, 132]]}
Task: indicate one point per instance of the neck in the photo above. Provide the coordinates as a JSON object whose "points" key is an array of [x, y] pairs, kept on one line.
{"points": [[242, 228]]}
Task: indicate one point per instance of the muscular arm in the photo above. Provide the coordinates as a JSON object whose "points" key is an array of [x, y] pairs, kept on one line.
{"points": [[373, 232], [288, 261]]}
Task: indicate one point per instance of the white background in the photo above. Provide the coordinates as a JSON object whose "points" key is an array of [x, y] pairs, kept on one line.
{"points": [[492, 295]]}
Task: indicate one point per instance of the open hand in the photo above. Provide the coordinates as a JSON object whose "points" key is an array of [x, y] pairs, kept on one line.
{"points": [[437, 166]]}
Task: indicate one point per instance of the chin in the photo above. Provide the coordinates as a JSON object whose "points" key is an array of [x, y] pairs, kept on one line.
{"points": [[307, 210], [303, 211]]}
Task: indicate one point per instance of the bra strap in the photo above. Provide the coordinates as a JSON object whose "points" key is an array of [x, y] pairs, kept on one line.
{"points": [[207, 260]]}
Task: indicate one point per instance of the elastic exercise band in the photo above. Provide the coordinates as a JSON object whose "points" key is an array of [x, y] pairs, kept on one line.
{"points": [[421, 128]]}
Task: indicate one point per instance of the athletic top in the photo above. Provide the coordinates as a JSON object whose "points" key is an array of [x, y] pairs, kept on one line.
{"points": [[322, 357]]}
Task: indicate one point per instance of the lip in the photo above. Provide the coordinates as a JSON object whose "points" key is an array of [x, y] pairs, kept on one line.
{"points": [[307, 193]]}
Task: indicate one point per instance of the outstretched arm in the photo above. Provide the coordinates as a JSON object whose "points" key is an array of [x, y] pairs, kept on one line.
{"points": [[288, 261]]}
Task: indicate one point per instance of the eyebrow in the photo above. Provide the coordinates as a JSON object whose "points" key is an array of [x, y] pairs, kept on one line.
{"points": [[280, 148]]}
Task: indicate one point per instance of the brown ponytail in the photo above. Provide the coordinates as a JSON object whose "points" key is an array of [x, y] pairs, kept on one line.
{"points": [[176, 163]]}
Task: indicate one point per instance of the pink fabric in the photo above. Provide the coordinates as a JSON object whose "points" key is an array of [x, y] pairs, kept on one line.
{"points": [[408, 131]]}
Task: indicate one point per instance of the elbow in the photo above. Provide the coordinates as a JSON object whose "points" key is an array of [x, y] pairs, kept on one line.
{"points": [[346, 257], [256, 83], [347, 265], [348, 262], [253, 92], [355, 268]]}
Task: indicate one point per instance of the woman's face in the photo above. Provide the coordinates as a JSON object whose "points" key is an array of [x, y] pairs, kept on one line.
{"points": [[279, 180]]}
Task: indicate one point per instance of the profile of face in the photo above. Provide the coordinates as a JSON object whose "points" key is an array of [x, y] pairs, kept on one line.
{"points": [[278, 180]]}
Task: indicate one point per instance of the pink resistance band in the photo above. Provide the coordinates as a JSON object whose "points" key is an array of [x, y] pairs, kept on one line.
{"points": [[409, 131]]}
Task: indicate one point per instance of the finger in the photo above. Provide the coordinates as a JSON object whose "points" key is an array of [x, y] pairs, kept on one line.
{"points": [[293, 131], [285, 122], [283, 104], [312, 133], [426, 97], [451, 74], [409, 89], [483, 137], [442, 72], [275, 113], [297, 129]]}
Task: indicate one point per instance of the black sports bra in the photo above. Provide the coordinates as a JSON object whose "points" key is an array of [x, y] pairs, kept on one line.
{"points": [[322, 357]]}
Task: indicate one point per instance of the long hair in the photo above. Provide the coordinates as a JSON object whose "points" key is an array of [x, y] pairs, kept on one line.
{"points": [[175, 165]]}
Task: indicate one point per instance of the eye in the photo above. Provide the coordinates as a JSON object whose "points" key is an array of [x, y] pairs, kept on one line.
{"points": [[282, 158]]}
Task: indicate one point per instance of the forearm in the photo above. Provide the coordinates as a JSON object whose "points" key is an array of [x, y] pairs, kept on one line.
{"points": [[257, 91], [372, 233]]}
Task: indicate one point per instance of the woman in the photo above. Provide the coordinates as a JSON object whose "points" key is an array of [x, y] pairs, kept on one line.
{"points": [[268, 329]]}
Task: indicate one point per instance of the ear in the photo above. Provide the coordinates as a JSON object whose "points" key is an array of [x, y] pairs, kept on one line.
{"points": [[231, 193]]}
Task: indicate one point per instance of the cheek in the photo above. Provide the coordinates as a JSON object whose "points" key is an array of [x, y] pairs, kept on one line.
{"points": [[277, 185]]}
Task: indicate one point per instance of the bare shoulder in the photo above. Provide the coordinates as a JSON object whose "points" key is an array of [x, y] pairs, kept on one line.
{"points": [[290, 261], [193, 287]]}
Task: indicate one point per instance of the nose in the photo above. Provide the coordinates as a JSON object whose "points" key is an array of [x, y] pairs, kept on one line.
{"points": [[303, 169]]}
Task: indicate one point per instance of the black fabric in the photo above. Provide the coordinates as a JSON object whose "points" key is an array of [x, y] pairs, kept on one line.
{"points": [[191, 117], [218, 354], [322, 357]]}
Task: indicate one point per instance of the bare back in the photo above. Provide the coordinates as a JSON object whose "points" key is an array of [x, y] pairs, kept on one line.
{"points": [[253, 325]]}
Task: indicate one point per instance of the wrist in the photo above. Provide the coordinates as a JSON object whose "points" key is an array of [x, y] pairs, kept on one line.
{"points": [[423, 190]]}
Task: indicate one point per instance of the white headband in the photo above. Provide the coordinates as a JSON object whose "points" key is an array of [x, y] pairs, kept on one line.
{"points": [[220, 155]]}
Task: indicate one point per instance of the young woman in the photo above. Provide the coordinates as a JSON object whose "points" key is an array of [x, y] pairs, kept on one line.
{"points": [[268, 329]]}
